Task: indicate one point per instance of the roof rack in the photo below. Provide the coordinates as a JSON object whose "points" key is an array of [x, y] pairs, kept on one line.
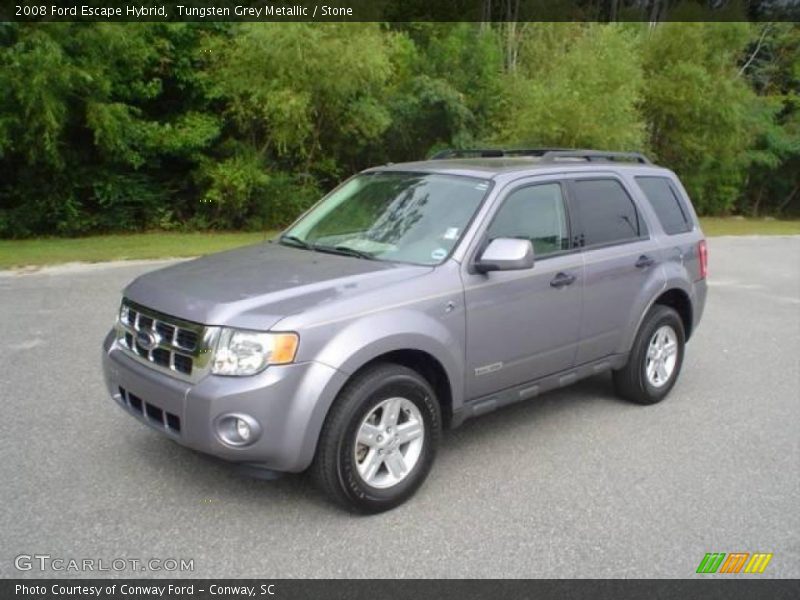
{"points": [[592, 155], [546, 154], [492, 152]]}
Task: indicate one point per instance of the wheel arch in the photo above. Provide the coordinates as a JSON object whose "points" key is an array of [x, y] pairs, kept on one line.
{"points": [[410, 338], [427, 366], [674, 295], [425, 363], [679, 300]]}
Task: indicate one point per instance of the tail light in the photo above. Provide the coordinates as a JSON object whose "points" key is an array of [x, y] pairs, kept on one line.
{"points": [[702, 252]]}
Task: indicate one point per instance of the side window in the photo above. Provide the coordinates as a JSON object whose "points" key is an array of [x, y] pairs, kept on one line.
{"points": [[605, 212], [534, 213], [666, 204]]}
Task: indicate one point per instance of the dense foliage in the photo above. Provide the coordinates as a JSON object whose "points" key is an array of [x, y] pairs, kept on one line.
{"points": [[109, 127]]}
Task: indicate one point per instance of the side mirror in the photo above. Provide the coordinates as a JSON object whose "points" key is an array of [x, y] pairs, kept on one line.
{"points": [[506, 254]]}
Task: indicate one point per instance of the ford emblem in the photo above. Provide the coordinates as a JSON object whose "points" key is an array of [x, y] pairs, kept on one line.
{"points": [[146, 340]]}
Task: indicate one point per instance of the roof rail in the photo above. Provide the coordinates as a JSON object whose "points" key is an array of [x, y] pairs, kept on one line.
{"points": [[592, 155], [546, 154], [493, 152]]}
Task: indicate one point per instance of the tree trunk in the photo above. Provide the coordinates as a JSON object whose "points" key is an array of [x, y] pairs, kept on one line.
{"points": [[785, 202], [486, 14], [512, 35], [657, 10], [757, 203], [612, 15]]}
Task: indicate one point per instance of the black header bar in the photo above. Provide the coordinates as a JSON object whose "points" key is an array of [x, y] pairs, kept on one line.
{"points": [[400, 10]]}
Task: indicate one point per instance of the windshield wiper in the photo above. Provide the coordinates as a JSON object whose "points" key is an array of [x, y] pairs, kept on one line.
{"points": [[296, 241], [345, 250]]}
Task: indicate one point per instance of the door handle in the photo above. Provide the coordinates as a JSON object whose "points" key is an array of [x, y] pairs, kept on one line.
{"points": [[645, 261], [562, 279]]}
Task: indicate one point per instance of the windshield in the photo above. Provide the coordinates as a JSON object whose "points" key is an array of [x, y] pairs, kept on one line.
{"points": [[406, 217]]}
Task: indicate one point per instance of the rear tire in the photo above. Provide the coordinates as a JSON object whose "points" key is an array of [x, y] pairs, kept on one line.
{"points": [[379, 439], [655, 360]]}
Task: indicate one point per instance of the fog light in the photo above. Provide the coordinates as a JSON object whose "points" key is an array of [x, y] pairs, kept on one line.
{"points": [[237, 429], [243, 429]]}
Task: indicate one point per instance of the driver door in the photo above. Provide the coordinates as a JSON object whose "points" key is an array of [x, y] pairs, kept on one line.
{"points": [[523, 325]]}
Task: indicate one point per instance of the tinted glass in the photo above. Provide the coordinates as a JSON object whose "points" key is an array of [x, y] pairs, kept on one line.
{"points": [[534, 213], [666, 204], [405, 217], [605, 212]]}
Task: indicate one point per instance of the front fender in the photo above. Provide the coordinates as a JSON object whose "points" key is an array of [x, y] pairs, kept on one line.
{"points": [[348, 348], [362, 340]]}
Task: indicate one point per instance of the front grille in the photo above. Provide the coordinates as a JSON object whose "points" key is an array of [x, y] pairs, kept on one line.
{"points": [[186, 339], [165, 330], [183, 364], [180, 348], [150, 412]]}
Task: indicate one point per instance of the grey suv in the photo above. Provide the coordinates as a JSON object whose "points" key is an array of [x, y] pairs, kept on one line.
{"points": [[412, 297]]}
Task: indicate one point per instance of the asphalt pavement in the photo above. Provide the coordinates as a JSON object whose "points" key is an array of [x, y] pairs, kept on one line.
{"points": [[575, 483]]}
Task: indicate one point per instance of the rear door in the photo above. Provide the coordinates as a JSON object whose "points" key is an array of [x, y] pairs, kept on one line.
{"points": [[522, 325], [620, 261]]}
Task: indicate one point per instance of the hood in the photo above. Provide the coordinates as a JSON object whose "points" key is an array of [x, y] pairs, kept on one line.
{"points": [[256, 286]]}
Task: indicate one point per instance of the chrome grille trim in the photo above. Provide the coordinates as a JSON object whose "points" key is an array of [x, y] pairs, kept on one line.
{"points": [[198, 354]]}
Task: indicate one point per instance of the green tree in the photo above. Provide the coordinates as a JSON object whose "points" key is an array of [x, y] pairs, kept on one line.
{"points": [[89, 138], [772, 67], [575, 86], [446, 90], [111, 126], [297, 98], [702, 116]]}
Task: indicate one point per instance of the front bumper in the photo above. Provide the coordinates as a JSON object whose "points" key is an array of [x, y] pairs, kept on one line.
{"points": [[290, 403]]}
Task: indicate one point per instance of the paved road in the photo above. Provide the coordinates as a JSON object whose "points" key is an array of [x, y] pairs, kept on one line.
{"points": [[573, 484]]}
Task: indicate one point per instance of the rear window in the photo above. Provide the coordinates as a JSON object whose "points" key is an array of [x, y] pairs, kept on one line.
{"points": [[667, 205], [605, 212]]}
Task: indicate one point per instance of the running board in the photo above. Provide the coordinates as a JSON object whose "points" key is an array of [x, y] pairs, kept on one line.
{"points": [[531, 389]]}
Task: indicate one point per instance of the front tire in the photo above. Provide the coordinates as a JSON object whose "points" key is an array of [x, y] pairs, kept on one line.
{"points": [[656, 358], [379, 440]]}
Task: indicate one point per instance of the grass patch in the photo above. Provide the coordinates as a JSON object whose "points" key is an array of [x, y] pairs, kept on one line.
{"points": [[713, 226], [51, 251]]}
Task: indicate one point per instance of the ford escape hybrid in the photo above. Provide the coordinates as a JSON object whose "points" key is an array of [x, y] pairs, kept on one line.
{"points": [[412, 297]]}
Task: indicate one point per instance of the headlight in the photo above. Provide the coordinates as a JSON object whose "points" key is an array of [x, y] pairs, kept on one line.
{"points": [[241, 352], [124, 313]]}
